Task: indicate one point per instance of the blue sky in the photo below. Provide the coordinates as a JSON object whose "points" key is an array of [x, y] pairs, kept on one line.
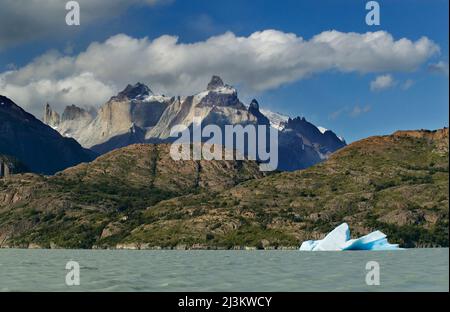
{"points": [[336, 99]]}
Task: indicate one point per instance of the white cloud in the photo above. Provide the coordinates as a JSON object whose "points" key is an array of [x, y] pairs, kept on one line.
{"points": [[439, 67], [261, 61], [83, 90], [25, 20], [382, 82]]}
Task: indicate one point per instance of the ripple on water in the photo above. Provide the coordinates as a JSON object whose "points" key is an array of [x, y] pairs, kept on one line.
{"points": [[416, 270]]}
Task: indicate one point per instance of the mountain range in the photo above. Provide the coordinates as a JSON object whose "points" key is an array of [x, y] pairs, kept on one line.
{"points": [[137, 115], [120, 188]]}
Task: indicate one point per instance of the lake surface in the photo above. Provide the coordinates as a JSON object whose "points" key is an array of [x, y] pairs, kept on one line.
{"points": [[117, 270]]}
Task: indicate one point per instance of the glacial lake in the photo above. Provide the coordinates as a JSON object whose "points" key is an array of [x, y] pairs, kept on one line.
{"points": [[117, 270]]}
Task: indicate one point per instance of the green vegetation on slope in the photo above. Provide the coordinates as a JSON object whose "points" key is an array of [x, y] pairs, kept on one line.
{"points": [[139, 197], [73, 208]]}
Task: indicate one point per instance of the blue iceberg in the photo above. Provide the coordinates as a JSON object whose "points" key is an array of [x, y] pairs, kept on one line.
{"points": [[339, 239]]}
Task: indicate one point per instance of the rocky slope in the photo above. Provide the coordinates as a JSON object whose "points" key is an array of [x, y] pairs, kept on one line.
{"points": [[35, 144], [136, 115], [81, 205], [138, 197], [397, 184]]}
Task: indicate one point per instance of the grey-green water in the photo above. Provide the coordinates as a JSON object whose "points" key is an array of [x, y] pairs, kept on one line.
{"points": [[45, 270]]}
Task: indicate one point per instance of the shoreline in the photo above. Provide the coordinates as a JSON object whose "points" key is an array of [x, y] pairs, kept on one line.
{"points": [[158, 248], [136, 247]]}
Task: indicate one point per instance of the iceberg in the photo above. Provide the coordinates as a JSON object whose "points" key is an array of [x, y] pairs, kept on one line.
{"points": [[339, 239]]}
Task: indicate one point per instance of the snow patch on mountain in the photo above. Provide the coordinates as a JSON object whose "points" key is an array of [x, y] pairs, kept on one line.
{"points": [[323, 130], [277, 120], [156, 98]]}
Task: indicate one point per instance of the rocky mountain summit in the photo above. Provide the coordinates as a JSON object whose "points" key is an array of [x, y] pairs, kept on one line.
{"points": [[215, 83], [137, 92], [36, 145], [51, 117], [137, 115]]}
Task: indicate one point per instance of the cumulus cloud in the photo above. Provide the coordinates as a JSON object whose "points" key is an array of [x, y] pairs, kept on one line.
{"points": [[261, 61], [82, 89], [440, 67], [25, 20], [382, 82]]}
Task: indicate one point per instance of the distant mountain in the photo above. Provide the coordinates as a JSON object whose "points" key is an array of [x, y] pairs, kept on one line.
{"points": [[40, 148], [135, 109], [139, 197], [137, 115]]}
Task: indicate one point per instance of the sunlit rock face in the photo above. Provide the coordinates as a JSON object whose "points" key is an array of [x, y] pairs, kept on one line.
{"points": [[339, 240], [137, 115]]}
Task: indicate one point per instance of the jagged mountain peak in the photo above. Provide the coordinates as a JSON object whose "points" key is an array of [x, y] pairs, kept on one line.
{"points": [[323, 141], [254, 105], [51, 117], [302, 125], [253, 108], [218, 94], [296, 120], [215, 83], [73, 112], [137, 116], [218, 86], [139, 91]]}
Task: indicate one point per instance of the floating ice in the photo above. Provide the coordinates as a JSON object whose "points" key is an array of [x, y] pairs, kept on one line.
{"points": [[339, 239]]}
